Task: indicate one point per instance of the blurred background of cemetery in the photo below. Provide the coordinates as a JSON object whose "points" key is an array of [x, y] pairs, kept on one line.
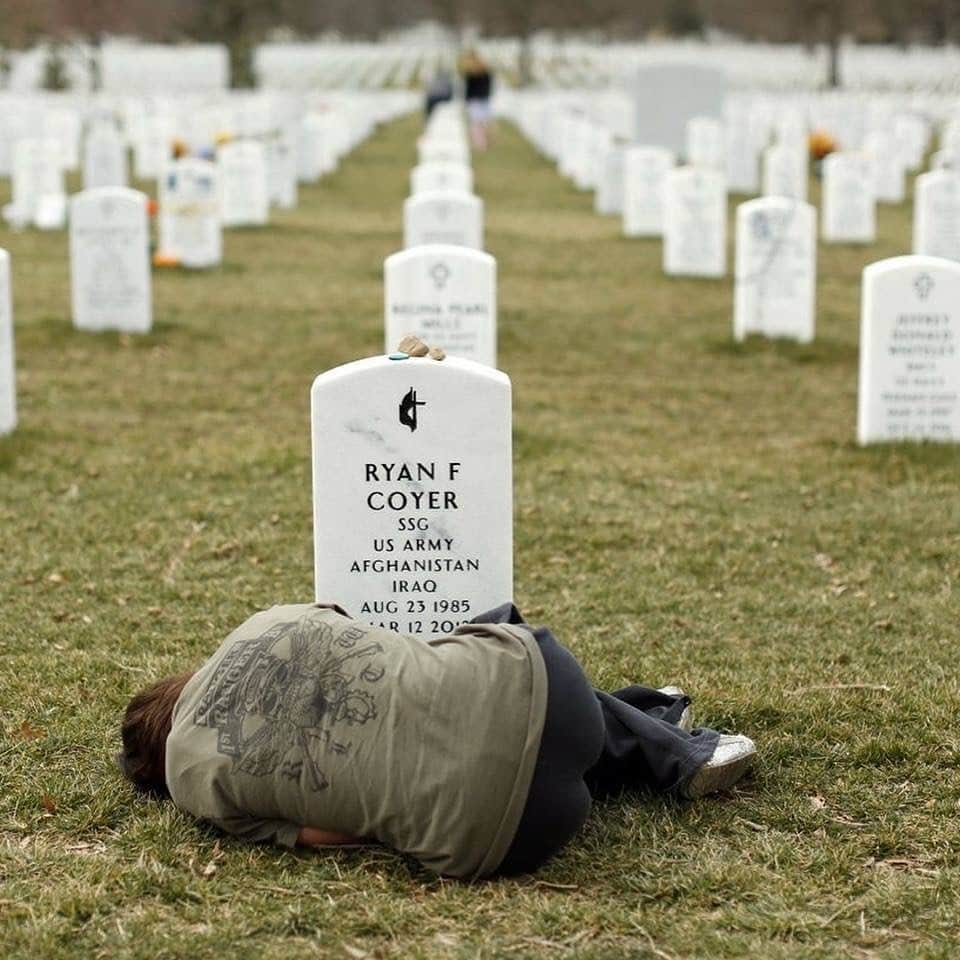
{"points": [[88, 44]]}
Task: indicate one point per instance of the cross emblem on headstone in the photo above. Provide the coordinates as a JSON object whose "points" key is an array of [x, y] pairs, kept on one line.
{"points": [[440, 273], [924, 285]]}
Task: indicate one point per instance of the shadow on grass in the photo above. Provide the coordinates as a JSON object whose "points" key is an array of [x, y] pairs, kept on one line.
{"points": [[822, 350]]}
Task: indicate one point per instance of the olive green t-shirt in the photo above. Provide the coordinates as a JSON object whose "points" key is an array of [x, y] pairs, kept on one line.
{"points": [[305, 717]]}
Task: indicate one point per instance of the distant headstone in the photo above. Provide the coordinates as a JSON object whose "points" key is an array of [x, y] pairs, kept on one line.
{"points": [[889, 178], [8, 390], [849, 207], [705, 143], [936, 214], [37, 173], [445, 295], [282, 171], [436, 175], [608, 200], [443, 216], [775, 285], [785, 171], [412, 491], [190, 213], [909, 359], [244, 193], [695, 223], [110, 260], [104, 158], [666, 96], [644, 178]]}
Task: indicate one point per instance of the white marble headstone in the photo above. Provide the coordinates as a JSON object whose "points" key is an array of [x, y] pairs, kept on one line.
{"points": [[695, 223], [888, 167], [775, 285], [110, 260], [190, 226], [443, 216], [8, 390], [447, 296], [705, 143], [644, 178], [282, 166], [785, 171], [412, 491], [244, 192], [104, 158], [608, 200], [849, 207], [37, 173], [437, 175], [909, 358], [936, 214]]}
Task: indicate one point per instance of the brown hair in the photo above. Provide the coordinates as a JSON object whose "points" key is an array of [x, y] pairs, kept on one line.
{"points": [[146, 725]]}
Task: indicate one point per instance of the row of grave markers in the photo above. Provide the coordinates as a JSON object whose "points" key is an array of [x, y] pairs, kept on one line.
{"points": [[910, 368], [412, 460]]}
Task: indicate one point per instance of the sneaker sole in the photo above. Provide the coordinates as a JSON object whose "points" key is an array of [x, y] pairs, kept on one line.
{"points": [[716, 779]]}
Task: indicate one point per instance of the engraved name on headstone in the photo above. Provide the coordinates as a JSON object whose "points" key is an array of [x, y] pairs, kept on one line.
{"points": [[412, 491], [445, 295], [909, 360]]}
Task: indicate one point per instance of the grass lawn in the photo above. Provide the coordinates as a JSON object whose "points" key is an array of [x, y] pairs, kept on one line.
{"points": [[687, 511]]}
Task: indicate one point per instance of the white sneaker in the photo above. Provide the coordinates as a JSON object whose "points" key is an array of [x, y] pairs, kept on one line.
{"points": [[686, 718], [732, 757]]}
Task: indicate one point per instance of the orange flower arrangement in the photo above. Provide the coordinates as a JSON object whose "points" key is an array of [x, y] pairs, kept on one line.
{"points": [[821, 144], [163, 259]]}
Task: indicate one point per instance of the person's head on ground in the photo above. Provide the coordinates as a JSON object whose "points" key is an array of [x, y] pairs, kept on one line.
{"points": [[146, 725]]}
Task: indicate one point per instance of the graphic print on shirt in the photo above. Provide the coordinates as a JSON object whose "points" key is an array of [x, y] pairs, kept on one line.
{"points": [[276, 713]]}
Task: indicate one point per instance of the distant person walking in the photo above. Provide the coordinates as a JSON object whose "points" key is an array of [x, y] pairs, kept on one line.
{"points": [[439, 90], [478, 88]]}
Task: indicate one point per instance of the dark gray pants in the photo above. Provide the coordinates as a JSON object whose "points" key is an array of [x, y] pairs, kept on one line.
{"points": [[594, 744]]}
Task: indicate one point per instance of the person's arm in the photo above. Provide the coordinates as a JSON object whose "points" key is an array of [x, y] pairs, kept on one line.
{"points": [[313, 837]]}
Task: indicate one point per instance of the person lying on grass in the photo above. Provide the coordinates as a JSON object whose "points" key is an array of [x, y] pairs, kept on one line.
{"points": [[476, 753]]}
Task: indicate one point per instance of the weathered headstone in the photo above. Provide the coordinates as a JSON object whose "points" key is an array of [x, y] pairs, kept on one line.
{"points": [[443, 216], [775, 285], [447, 296], [849, 207], [110, 260], [104, 158], [936, 214], [436, 175], [695, 223], [244, 193], [909, 358], [190, 213], [645, 173], [8, 391], [412, 491]]}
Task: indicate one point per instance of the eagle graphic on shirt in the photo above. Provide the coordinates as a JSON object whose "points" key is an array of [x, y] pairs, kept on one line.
{"points": [[282, 701]]}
